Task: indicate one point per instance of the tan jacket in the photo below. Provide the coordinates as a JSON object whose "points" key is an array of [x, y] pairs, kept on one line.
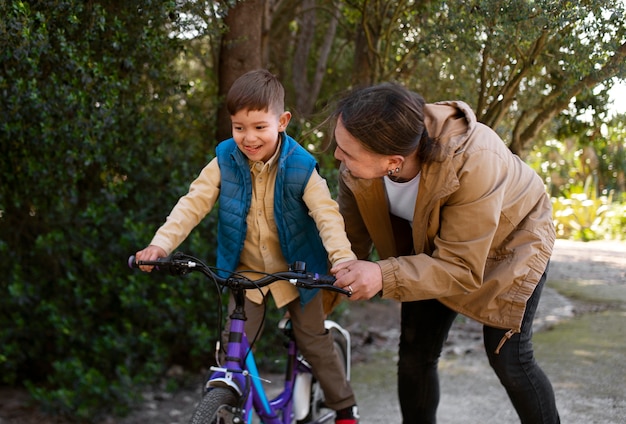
{"points": [[482, 232]]}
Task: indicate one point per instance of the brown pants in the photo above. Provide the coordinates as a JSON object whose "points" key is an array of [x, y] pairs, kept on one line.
{"points": [[314, 342]]}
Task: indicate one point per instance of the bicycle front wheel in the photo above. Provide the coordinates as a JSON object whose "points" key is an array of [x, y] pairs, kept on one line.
{"points": [[215, 407]]}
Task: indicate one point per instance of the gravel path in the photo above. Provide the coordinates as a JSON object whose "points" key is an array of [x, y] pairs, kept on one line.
{"points": [[579, 342]]}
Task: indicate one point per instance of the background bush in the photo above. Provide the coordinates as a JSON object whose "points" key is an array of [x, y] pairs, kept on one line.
{"points": [[90, 167]]}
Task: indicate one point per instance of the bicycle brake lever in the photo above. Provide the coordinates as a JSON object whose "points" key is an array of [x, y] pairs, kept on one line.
{"points": [[340, 290], [179, 267], [324, 286]]}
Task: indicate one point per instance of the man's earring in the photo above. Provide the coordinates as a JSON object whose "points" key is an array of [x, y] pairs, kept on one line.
{"points": [[393, 171]]}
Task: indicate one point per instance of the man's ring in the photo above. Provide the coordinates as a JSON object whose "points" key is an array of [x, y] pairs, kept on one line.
{"points": [[350, 289]]}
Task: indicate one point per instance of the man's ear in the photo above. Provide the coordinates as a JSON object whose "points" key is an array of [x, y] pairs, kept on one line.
{"points": [[395, 161]]}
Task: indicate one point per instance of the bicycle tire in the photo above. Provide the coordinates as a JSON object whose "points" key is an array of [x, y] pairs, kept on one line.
{"points": [[318, 406], [211, 407]]}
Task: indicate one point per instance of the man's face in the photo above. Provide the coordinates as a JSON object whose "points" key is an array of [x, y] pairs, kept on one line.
{"points": [[360, 162]]}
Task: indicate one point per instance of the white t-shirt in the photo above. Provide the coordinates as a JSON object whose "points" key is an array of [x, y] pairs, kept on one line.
{"points": [[402, 196]]}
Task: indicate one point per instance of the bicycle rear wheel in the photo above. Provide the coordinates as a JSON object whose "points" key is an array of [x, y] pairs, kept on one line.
{"points": [[215, 407], [318, 407]]}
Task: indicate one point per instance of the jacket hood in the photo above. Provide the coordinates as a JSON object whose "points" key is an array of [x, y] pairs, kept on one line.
{"points": [[442, 121]]}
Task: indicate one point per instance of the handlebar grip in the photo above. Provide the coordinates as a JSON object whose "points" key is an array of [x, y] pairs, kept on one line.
{"points": [[325, 279], [134, 264], [175, 265]]}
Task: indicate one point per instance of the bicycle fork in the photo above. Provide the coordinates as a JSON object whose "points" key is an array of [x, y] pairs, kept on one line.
{"points": [[240, 373]]}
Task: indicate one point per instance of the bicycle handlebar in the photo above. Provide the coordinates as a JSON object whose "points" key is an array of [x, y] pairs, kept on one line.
{"points": [[180, 264]]}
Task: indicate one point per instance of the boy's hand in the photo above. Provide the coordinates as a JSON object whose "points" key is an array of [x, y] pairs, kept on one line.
{"points": [[150, 253]]}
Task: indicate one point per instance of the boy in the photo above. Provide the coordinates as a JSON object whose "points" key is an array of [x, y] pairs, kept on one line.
{"points": [[274, 208]]}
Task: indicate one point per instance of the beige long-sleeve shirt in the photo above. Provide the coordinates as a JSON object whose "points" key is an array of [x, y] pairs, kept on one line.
{"points": [[261, 250]]}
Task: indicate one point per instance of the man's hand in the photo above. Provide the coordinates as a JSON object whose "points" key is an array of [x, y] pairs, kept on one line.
{"points": [[363, 279]]}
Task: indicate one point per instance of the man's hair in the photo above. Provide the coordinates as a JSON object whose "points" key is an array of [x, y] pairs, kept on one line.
{"points": [[387, 119], [256, 90]]}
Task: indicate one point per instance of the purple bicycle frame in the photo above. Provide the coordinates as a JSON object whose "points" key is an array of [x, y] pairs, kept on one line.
{"points": [[246, 381]]}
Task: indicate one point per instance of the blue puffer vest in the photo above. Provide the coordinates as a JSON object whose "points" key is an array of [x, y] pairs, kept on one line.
{"points": [[297, 232]]}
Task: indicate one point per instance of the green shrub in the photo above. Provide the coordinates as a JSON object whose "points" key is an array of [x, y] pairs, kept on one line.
{"points": [[87, 143], [584, 216], [613, 226], [579, 218]]}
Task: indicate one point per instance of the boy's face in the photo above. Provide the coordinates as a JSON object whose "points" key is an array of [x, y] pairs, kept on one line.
{"points": [[256, 132]]}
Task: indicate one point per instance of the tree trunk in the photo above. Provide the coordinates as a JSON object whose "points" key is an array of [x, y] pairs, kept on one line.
{"points": [[241, 51], [363, 70], [307, 90]]}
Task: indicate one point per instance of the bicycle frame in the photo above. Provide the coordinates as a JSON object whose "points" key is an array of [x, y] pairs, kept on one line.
{"points": [[240, 373]]}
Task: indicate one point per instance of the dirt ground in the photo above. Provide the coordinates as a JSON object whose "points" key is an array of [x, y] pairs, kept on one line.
{"points": [[580, 341]]}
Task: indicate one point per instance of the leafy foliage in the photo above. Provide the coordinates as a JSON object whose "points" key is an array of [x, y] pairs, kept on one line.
{"points": [[518, 64], [86, 137], [584, 174], [580, 216]]}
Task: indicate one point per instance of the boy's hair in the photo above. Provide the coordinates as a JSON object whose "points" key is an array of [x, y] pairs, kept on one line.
{"points": [[256, 90]]}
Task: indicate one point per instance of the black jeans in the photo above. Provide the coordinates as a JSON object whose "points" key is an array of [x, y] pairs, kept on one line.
{"points": [[425, 327]]}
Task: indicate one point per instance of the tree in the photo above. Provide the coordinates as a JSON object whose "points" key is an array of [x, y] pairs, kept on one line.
{"points": [[309, 65], [241, 51], [382, 29], [519, 64]]}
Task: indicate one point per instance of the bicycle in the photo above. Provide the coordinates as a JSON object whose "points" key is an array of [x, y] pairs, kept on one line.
{"points": [[234, 391]]}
